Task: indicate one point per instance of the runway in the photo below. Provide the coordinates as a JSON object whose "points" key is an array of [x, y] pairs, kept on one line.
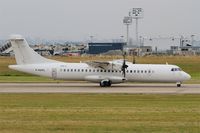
{"points": [[94, 88]]}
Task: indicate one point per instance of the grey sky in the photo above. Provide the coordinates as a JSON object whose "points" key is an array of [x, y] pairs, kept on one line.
{"points": [[78, 19]]}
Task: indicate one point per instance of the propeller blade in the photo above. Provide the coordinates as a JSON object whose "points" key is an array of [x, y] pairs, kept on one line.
{"points": [[124, 66]]}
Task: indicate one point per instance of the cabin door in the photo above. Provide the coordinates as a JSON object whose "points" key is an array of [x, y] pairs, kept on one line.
{"points": [[54, 73]]}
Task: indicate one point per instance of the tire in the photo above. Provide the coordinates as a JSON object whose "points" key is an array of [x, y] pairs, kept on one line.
{"points": [[108, 84], [102, 84], [178, 85], [105, 83]]}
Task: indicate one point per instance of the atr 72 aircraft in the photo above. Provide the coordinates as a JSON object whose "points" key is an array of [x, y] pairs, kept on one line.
{"points": [[105, 73]]}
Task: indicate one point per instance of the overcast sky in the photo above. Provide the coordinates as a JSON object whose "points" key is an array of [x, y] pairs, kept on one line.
{"points": [[78, 19]]}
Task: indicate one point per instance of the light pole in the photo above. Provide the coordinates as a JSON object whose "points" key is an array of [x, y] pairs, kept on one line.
{"points": [[137, 13], [91, 38], [141, 41], [127, 21], [192, 39], [122, 39]]}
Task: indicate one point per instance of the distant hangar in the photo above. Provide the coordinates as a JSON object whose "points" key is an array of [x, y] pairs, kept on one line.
{"points": [[98, 48]]}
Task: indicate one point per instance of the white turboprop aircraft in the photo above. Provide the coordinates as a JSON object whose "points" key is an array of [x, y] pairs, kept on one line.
{"points": [[104, 73]]}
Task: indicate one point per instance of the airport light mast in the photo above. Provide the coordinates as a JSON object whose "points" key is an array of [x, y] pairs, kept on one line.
{"points": [[137, 13], [91, 39], [192, 39], [127, 21]]}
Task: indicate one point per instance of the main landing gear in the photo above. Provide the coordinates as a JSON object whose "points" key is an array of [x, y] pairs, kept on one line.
{"points": [[105, 83]]}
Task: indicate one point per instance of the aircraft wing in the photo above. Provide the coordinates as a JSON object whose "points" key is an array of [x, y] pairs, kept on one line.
{"points": [[104, 65]]}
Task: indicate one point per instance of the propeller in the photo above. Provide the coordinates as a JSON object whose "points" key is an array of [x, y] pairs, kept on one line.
{"points": [[124, 66]]}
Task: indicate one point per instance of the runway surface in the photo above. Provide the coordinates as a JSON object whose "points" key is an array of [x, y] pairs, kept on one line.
{"points": [[94, 88]]}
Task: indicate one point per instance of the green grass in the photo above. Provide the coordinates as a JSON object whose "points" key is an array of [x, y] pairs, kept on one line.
{"points": [[91, 113]]}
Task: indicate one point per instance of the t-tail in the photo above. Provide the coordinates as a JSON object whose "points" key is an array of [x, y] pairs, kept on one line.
{"points": [[24, 54]]}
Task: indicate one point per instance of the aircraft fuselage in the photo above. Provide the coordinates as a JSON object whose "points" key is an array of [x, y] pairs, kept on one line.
{"points": [[82, 71]]}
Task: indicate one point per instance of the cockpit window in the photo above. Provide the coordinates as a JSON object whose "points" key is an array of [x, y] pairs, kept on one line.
{"points": [[176, 69]]}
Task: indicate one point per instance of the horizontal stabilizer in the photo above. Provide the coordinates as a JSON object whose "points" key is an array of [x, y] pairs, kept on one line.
{"points": [[16, 38]]}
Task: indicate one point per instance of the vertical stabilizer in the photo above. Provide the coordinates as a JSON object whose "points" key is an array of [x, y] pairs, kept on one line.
{"points": [[24, 54]]}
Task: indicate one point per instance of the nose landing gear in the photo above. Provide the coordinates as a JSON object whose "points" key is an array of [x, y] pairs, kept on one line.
{"points": [[178, 84]]}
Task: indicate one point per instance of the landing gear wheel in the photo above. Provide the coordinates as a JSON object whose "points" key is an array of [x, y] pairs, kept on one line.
{"points": [[102, 84], [178, 84], [105, 83], [108, 83]]}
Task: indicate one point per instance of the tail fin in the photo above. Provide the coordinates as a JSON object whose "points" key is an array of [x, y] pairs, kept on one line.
{"points": [[24, 54]]}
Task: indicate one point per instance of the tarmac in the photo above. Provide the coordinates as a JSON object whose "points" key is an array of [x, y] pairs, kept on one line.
{"points": [[126, 88]]}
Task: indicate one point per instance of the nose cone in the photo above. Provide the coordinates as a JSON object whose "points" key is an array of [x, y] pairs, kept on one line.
{"points": [[186, 76]]}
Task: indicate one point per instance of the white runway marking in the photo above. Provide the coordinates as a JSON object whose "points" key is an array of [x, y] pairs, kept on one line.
{"points": [[94, 88]]}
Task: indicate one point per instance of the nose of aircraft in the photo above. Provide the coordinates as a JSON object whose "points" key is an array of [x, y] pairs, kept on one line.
{"points": [[186, 76]]}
